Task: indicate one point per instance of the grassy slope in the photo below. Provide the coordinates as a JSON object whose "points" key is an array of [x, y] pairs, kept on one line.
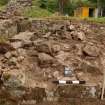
{"points": [[2, 7], [36, 11], [99, 20]]}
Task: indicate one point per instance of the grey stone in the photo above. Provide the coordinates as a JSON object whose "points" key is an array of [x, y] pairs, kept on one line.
{"points": [[81, 36], [43, 57], [8, 55], [12, 61], [56, 74], [23, 36], [91, 50], [20, 58], [71, 27], [56, 48], [16, 44], [93, 92]]}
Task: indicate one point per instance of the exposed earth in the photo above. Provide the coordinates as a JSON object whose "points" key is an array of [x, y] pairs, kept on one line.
{"points": [[34, 53], [37, 52]]}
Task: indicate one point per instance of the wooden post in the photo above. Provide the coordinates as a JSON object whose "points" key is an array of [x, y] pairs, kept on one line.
{"points": [[103, 68], [103, 87]]}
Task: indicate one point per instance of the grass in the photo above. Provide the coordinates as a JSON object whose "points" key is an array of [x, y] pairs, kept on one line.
{"points": [[98, 20], [36, 11], [2, 7], [95, 20]]}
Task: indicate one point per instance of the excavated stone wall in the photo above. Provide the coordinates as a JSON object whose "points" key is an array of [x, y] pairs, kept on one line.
{"points": [[37, 53]]}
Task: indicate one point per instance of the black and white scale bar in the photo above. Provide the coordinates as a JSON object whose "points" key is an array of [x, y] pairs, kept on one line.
{"points": [[69, 82]]}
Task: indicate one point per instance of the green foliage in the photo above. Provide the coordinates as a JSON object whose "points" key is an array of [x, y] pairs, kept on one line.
{"points": [[97, 20], [52, 5], [99, 2], [35, 2], [86, 3], [43, 3], [47, 7], [3, 2], [94, 1], [71, 5], [36, 12], [69, 8], [2, 7]]}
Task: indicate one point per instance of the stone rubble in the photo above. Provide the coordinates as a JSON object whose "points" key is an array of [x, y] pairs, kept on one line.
{"points": [[31, 60], [14, 8]]}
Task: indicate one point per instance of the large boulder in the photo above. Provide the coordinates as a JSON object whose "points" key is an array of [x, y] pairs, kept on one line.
{"points": [[44, 47], [70, 27], [78, 35], [12, 61], [17, 44], [5, 47], [8, 55], [23, 36], [81, 36], [45, 59], [91, 50]]}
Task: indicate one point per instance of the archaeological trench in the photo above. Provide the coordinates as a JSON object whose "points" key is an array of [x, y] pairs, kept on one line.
{"points": [[34, 54]]}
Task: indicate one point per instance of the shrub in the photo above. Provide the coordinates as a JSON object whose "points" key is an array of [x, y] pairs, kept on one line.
{"points": [[3, 2]]}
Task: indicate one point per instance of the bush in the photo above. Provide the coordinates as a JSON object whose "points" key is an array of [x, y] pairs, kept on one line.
{"points": [[43, 4], [3, 2], [36, 12], [52, 5], [69, 8]]}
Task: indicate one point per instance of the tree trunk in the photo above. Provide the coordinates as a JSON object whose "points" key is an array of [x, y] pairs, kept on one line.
{"points": [[101, 12], [99, 8], [62, 4], [61, 8]]}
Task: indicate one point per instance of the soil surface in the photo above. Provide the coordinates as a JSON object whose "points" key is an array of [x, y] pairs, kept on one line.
{"points": [[37, 53], [75, 102]]}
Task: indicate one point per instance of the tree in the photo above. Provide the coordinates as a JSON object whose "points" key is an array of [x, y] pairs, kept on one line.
{"points": [[62, 4], [100, 5], [43, 3], [52, 5]]}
